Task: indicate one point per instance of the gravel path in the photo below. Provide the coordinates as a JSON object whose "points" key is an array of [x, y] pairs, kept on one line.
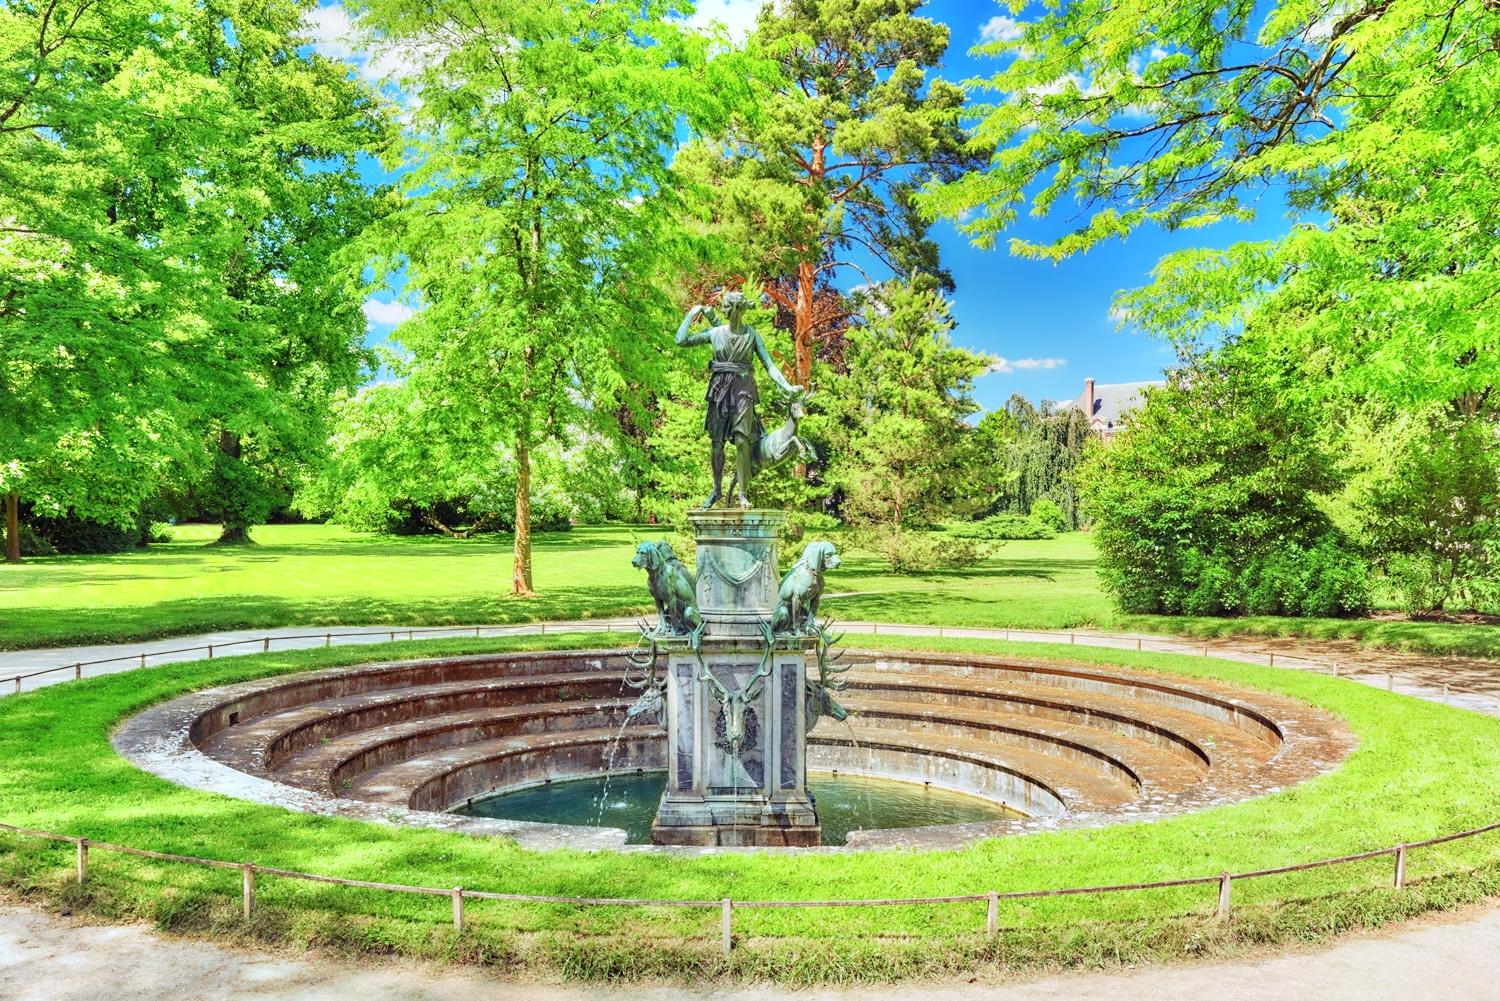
{"points": [[47, 958], [1467, 682]]}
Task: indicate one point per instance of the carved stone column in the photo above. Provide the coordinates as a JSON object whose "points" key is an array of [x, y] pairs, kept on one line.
{"points": [[736, 744]]}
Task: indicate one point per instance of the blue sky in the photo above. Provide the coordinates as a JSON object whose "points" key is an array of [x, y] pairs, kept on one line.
{"points": [[1048, 326]]}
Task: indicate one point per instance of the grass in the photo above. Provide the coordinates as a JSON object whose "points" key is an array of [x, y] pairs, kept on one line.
{"points": [[326, 575], [1420, 770]]}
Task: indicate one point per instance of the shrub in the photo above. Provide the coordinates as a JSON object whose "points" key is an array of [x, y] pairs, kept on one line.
{"points": [[998, 527], [1207, 506], [33, 544], [907, 551], [1046, 511], [71, 534]]}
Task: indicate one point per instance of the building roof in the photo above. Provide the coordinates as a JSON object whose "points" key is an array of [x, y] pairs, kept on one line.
{"points": [[1112, 400]]}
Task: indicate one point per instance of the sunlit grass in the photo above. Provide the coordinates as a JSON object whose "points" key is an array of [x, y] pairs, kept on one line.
{"points": [[310, 575], [1420, 770]]}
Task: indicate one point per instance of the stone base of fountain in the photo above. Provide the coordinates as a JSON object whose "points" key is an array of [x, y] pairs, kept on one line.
{"points": [[744, 790], [737, 741]]}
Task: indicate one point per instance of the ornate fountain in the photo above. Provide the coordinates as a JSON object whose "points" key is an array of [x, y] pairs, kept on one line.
{"points": [[748, 669]]}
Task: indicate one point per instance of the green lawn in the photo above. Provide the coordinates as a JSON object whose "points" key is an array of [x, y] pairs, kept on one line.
{"points": [[325, 575], [1420, 770]]}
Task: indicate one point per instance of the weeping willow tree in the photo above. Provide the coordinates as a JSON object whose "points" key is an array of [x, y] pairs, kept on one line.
{"points": [[1034, 452]]}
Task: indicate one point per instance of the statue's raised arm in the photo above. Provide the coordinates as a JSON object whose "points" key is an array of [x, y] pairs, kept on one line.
{"points": [[687, 339]]}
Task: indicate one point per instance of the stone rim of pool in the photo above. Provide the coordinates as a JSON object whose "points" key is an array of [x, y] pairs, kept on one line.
{"points": [[1070, 744]]}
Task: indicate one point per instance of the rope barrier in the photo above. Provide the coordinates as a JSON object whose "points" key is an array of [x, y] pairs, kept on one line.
{"points": [[1224, 881]]}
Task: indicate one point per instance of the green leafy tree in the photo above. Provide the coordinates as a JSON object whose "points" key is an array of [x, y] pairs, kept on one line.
{"points": [[1034, 453], [533, 223], [153, 161], [896, 426], [397, 465], [96, 326], [1374, 119], [288, 202], [1209, 504], [1422, 498], [821, 178]]}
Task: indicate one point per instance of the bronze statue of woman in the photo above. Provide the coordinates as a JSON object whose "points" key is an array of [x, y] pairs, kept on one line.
{"points": [[732, 395]]}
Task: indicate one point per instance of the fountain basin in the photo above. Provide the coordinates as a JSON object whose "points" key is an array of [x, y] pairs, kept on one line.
{"points": [[1062, 744], [846, 803]]}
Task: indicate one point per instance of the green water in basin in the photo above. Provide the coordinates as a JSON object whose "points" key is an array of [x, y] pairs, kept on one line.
{"points": [[845, 803]]}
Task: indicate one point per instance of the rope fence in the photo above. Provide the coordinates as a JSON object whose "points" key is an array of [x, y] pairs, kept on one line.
{"points": [[1224, 883], [11, 685]]}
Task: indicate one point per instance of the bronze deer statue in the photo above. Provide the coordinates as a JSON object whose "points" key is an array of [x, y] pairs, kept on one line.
{"points": [[735, 705], [779, 444]]}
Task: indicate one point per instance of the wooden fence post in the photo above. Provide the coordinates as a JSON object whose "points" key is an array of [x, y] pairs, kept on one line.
{"points": [[458, 908], [210, 651], [1137, 643], [1271, 659], [328, 639], [1400, 866], [247, 884], [18, 686], [992, 915], [77, 671], [265, 645], [726, 926], [83, 860], [1390, 682], [1224, 897]]}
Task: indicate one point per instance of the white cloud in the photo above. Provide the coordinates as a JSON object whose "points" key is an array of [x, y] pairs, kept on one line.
{"points": [[1002, 29], [386, 314], [737, 16], [1009, 366], [331, 32]]}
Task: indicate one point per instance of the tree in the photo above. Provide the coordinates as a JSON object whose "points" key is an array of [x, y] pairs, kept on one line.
{"points": [[147, 153], [533, 223], [1034, 454], [1209, 503], [1422, 496], [1375, 119], [896, 424], [398, 465], [290, 331], [822, 178], [95, 320]]}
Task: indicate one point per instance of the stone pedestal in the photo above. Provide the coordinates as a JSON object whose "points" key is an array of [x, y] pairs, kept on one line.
{"points": [[754, 793]]}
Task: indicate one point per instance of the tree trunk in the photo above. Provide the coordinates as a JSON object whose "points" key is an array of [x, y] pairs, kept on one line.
{"points": [[802, 338], [521, 571], [12, 528], [235, 531]]}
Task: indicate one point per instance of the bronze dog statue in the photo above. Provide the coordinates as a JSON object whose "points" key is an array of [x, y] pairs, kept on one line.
{"points": [[802, 589], [672, 587]]}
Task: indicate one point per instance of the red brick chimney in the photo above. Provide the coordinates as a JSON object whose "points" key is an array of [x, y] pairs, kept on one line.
{"points": [[1088, 397]]}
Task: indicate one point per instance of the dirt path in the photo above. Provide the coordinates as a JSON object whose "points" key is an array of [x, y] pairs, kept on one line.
{"points": [[46, 958]]}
